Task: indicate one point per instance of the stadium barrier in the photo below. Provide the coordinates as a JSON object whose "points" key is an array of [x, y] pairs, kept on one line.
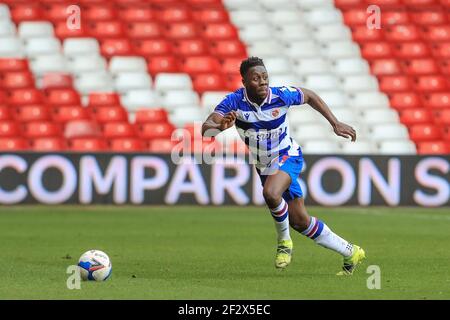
{"points": [[103, 178]]}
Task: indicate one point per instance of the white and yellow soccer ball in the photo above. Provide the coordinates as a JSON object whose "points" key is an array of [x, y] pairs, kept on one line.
{"points": [[95, 265]]}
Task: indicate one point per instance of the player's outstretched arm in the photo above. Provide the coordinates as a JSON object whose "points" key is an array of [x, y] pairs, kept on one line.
{"points": [[216, 123], [340, 128]]}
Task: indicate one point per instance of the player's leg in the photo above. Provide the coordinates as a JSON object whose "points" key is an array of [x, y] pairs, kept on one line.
{"points": [[273, 187], [321, 234]]}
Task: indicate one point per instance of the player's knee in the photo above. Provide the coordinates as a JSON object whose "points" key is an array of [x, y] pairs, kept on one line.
{"points": [[272, 197]]}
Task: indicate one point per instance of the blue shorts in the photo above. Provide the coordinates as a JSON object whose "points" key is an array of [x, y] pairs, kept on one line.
{"points": [[292, 165]]}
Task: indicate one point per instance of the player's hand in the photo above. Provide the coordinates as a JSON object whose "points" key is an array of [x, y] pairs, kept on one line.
{"points": [[344, 130], [228, 120]]}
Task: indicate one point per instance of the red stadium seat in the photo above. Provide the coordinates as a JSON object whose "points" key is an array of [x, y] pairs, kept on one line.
{"points": [[234, 82], [103, 99], [159, 64], [16, 80], [161, 145], [115, 47], [381, 67], [145, 30], [203, 3], [31, 113], [420, 3], [419, 66], [57, 81], [433, 147], [155, 130], [81, 129], [9, 129], [24, 96], [209, 82], [405, 100], [26, 12], [210, 15], [62, 31], [355, 16], [106, 29], [376, 50], [191, 47], [442, 117], [173, 14], [364, 34], [64, 114], [13, 64], [405, 50], [227, 48], [416, 116], [219, 31], [396, 83], [152, 47], [437, 33], [151, 115], [98, 12], [394, 17], [118, 130], [37, 129], [87, 144], [444, 67], [13, 144], [403, 32], [110, 114], [200, 64], [429, 16], [48, 144], [59, 97], [441, 50], [55, 12], [430, 83], [230, 65], [181, 30], [385, 3], [126, 145], [135, 14], [440, 100], [424, 132], [346, 4], [5, 113]]}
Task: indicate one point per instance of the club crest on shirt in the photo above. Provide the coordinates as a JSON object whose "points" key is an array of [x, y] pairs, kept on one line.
{"points": [[246, 115], [275, 113]]}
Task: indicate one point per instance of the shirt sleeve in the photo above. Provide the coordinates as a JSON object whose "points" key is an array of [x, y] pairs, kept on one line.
{"points": [[226, 105], [292, 95]]}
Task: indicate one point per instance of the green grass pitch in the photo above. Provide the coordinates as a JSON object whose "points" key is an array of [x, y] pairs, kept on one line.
{"points": [[219, 253]]}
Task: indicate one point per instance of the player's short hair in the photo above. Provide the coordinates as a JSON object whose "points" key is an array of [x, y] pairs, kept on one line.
{"points": [[249, 63]]}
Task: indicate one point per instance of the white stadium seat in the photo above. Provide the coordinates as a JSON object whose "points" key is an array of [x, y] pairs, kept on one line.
{"points": [[7, 28], [255, 32], [11, 47], [322, 82], [358, 147], [274, 5], [241, 18], [279, 80], [314, 131], [94, 81], [283, 16], [239, 4], [341, 49], [34, 29], [4, 12], [138, 99], [172, 81], [42, 46], [320, 147], [346, 115], [186, 114], [332, 32], [78, 46], [212, 98], [125, 64], [265, 48], [86, 63], [374, 116], [335, 99], [404, 147], [302, 49], [305, 67], [126, 81], [49, 63], [363, 100], [362, 82], [389, 131], [179, 98], [293, 32], [299, 116], [312, 4], [277, 65], [350, 66], [321, 16]]}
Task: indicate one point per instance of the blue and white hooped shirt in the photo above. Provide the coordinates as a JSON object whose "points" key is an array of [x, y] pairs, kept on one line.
{"points": [[264, 128]]}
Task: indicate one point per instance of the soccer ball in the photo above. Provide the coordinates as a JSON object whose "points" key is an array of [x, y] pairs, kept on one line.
{"points": [[95, 265]]}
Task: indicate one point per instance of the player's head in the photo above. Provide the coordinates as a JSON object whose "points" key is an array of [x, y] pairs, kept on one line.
{"points": [[254, 77]]}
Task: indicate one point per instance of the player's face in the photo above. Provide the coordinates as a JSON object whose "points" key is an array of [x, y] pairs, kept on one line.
{"points": [[256, 82]]}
